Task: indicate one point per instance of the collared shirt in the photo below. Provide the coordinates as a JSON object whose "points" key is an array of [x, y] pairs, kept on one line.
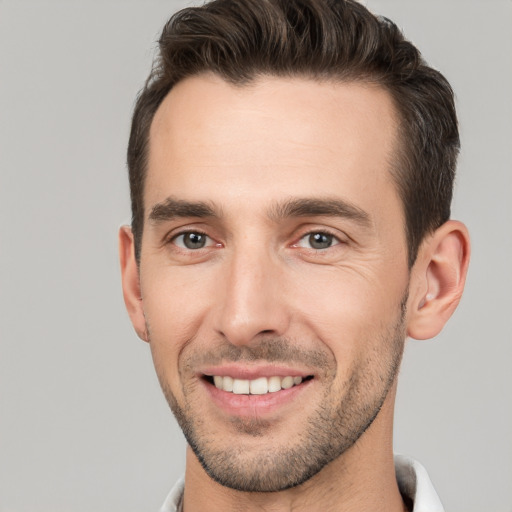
{"points": [[413, 482]]}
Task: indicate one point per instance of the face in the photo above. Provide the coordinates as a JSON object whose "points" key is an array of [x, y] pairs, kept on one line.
{"points": [[273, 271]]}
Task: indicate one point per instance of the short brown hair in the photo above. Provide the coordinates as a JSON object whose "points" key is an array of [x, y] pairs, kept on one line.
{"points": [[323, 40]]}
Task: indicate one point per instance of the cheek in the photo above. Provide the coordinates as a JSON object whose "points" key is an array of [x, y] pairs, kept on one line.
{"points": [[349, 311], [175, 302], [174, 310]]}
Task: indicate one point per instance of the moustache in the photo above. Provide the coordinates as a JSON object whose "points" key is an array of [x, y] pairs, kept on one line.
{"points": [[269, 350]]}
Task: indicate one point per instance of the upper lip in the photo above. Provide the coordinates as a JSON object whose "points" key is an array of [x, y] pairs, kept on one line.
{"points": [[251, 372]]}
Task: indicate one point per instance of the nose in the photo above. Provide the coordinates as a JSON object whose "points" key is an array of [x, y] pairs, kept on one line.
{"points": [[252, 301]]}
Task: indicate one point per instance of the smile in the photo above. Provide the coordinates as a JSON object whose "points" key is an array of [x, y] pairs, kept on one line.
{"points": [[259, 386], [254, 392]]}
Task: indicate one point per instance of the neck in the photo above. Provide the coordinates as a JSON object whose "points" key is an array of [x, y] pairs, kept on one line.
{"points": [[363, 478]]}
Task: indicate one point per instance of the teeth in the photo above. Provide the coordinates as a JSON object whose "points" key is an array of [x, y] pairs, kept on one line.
{"points": [[227, 383], [274, 384], [240, 387], [287, 383], [260, 386]]}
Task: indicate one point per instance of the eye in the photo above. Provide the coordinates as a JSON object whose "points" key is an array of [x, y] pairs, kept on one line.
{"points": [[192, 240], [318, 241]]}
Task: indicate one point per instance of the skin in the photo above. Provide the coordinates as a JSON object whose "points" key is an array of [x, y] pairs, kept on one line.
{"points": [[235, 164]]}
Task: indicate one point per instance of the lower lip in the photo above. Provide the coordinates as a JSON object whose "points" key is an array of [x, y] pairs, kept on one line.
{"points": [[254, 405]]}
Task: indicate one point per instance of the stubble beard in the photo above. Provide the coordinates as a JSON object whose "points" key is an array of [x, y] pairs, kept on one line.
{"points": [[331, 430]]}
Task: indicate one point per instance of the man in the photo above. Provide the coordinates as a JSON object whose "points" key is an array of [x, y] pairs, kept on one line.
{"points": [[291, 167]]}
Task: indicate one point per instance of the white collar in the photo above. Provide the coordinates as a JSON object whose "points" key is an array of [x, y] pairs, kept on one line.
{"points": [[414, 483]]}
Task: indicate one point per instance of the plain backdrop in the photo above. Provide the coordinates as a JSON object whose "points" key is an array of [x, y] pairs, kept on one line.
{"points": [[83, 424]]}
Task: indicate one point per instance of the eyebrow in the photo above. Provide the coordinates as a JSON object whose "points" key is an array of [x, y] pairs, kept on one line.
{"points": [[313, 207], [173, 208]]}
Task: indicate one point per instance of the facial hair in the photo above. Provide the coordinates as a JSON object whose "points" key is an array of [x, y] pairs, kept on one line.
{"points": [[344, 413]]}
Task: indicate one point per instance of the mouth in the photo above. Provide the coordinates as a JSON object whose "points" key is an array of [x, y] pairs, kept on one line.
{"points": [[255, 391], [257, 386]]}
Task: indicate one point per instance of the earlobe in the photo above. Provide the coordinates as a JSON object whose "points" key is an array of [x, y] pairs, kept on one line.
{"points": [[439, 277], [131, 282]]}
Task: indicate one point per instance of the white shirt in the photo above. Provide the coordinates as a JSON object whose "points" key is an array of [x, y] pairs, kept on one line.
{"points": [[412, 477]]}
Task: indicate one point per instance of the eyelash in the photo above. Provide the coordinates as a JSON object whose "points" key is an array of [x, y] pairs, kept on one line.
{"points": [[334, 240], [198, 232]]}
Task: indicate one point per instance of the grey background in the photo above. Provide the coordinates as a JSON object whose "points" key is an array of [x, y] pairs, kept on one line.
{"points": [[83, 425]]}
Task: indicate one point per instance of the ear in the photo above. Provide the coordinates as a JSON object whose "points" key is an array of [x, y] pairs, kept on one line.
{"points": [[438, 279], [131, 282]]}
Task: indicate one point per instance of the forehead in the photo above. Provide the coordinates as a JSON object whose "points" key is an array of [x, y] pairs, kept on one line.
{"points": [[213, 140]]}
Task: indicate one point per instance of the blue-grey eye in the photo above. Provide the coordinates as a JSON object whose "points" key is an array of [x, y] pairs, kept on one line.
{"points": [[317, 240], [192, 240], [320, 240]]}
